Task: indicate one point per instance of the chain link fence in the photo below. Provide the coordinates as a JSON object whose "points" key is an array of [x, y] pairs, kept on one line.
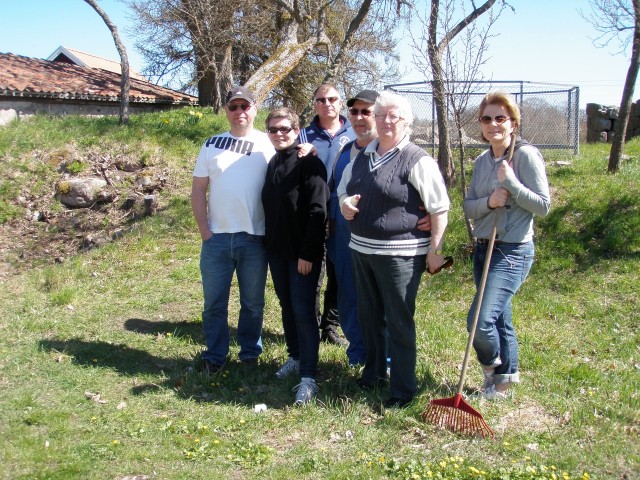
{"points": [[550, 113]]}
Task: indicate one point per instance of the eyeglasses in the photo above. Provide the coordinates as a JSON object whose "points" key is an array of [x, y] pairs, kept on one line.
{"points": [[274, 130], [365, 112], [393, 118], [243, 106], [499, 119], [327, 99]]}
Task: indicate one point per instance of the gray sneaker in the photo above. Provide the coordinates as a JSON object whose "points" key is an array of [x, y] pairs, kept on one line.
{"points": [[290, 366], [488, 379], [306, 390], [493, 395]]}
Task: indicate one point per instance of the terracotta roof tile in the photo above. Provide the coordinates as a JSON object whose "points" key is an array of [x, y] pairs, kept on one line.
{"points": [[32, 77]]}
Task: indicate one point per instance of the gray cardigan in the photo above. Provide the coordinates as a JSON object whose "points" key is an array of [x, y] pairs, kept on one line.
{"points": [[529, 191]]}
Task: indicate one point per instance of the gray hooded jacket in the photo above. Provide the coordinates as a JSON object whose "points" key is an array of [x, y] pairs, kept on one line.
{"points": [[529, 195]]}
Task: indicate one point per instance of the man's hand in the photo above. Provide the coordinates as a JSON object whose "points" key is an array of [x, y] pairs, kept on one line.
{"points": [[424, 223], [305, 149]]}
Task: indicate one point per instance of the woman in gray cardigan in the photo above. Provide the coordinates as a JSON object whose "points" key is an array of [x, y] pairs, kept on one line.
{"points": [[509, 194]]}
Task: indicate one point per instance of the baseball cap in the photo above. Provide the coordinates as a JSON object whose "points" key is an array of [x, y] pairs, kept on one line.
{"points": [[369, 96], [240, 92]]}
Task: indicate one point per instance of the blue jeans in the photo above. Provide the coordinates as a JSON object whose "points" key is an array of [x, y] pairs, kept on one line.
{"points": [[340, 254], [386, 288], [297, 296], [221, 255], [495, 341]]}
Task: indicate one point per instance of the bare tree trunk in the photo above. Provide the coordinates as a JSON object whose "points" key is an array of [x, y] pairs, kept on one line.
{"points": [[435, 50], [620, 132], [125, 82], [277, 66]]}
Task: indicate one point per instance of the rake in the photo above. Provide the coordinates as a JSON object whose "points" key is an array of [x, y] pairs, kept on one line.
{"points": [[455, 413]]}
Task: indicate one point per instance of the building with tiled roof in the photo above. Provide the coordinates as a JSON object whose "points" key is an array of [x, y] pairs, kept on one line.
{"points": [[84, 59], [31, 85]]}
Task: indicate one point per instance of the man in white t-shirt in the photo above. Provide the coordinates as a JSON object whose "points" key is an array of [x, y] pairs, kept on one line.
{"points": [[231, 168]]}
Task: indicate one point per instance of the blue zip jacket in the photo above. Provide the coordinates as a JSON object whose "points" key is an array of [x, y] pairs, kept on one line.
{"points": [[328, 147]]}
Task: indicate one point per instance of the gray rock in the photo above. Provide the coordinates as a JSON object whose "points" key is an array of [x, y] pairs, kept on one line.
{"points": [[8, 116], [80, 192]]}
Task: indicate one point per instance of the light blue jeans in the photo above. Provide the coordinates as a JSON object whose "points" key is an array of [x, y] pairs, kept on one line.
{"points": [[495, 341], [221, 256]]}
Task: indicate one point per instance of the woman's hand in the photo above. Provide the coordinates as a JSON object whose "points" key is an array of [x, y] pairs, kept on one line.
{"points": [[498, 198], [349, 209], [434, 262], [304, 267], [504, 171]]}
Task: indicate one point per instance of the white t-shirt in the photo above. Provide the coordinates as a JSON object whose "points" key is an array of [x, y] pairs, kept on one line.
{"points": [[236, 167]]}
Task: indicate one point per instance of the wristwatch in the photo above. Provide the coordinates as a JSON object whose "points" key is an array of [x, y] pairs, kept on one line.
{"points": [[436, 252]]}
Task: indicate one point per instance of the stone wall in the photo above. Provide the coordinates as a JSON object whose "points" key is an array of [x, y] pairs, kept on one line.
{"points": [[15, 108], [601, 121]]}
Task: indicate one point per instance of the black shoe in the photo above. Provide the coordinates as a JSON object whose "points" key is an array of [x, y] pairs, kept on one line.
{"points": [[210, 367], [329, 335], [249, 362], [367, 387], [395, 402]]}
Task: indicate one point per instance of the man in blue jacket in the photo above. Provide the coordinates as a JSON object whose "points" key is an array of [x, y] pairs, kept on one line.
{"points": [[328, 132]]}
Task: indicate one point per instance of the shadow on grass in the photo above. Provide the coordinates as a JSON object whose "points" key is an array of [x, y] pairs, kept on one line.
{"points": [[191, 330], [235, 384]]}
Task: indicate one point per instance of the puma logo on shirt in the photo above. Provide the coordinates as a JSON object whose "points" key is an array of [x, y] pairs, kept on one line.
{"points": [[232, 144]]}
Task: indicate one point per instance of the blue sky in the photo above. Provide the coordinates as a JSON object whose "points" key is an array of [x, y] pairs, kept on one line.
{"points": [[543, 41]]}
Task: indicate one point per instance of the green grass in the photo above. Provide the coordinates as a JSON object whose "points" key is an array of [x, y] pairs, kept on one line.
{"points": [[123, 322]]}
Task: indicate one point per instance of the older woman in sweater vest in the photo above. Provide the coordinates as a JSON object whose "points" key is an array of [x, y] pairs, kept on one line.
{"points": [[381, 196]]}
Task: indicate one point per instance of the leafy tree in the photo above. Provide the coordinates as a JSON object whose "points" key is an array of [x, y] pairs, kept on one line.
{"points": [[124, 62], [262, 44], [619, 21]]}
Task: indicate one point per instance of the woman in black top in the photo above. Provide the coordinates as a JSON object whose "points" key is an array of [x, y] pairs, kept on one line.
{"points": [[295, 196]]}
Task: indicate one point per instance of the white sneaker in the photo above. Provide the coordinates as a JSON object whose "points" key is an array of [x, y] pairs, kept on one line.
{"points": [[290, 366], [306, 390]]}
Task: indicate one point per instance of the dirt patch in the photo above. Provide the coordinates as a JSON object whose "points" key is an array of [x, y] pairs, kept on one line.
{"points": [[47, 231], [529, 417]]}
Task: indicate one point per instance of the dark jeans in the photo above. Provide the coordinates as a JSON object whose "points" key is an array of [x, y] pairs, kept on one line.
{"points": [[327, 316], [297, 296], [386, 288], [495, 341]]}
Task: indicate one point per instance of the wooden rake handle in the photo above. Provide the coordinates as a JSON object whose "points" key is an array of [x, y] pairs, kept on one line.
{"points": [[483, 283]]}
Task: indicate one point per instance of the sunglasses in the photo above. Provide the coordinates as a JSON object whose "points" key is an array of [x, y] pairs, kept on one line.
{"points": [[448, 263], [365, 112], [327, 99], [499, 119], [242, 106], [274, 130]]}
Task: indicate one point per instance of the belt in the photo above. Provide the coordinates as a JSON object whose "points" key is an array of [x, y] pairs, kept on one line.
{"points": [[486, 241]]}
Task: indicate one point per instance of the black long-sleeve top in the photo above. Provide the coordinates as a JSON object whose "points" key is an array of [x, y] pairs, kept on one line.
{"points": [[295, 197]]}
